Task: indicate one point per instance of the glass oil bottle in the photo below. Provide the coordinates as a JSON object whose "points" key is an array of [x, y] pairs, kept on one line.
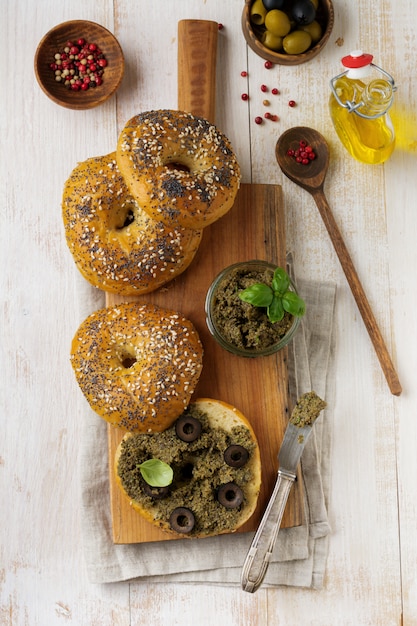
{"points": [[359, 104]]}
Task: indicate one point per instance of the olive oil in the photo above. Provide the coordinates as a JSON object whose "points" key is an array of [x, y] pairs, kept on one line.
{"points": [[359, 111]]}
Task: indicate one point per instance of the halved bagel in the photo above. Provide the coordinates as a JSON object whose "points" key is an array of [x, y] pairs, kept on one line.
{"points": [[137, 364], [217, 475]]}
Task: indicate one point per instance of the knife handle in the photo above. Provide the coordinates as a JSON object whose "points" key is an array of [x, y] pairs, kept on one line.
{"points": [[260, 551]]}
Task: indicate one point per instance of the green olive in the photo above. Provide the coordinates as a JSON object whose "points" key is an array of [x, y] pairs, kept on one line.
{"points": [[277, 22], [314, 29], [258, 12], [296, 42], [271, 41]]}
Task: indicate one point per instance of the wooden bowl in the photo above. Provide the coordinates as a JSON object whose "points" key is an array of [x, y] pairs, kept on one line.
{"points": [[55, 40], [253, 34]]}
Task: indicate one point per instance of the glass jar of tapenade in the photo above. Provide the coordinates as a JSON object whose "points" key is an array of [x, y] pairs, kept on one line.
{"points": [[240, 327]]}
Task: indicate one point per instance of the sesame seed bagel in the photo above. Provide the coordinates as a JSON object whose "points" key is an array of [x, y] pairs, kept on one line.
{"points": [[115, 244], [180, 168], [137, 364], [216, 471]]}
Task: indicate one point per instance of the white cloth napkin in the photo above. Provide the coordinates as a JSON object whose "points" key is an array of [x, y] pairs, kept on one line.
{"points": [[300, 555]]}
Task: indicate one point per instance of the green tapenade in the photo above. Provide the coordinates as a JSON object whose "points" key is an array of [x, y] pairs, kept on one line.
{"points": [[307, 409], [199, 470], [241, 324]]}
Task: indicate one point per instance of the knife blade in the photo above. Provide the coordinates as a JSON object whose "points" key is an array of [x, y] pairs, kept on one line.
{"points": [[295, 439]]}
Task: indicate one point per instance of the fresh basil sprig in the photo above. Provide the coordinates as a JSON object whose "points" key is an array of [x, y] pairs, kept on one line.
{"points": [[156, 473], [276, 298]]}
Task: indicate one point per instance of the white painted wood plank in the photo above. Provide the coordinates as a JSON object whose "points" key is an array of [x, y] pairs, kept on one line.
{"points": [[43, 579], [400, 184]]}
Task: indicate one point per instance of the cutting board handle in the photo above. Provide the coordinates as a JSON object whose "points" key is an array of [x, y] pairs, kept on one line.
{"points": [[197, 54]]}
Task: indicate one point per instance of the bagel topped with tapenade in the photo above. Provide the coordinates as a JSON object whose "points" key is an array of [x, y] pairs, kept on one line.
{"points": [[214, 455]]}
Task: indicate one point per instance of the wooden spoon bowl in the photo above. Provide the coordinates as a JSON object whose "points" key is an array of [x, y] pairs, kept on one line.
{"points": [[309, 176], [55, 40]]}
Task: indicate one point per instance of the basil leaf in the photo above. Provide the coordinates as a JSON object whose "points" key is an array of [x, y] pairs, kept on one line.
{"points": [[293, 304], [258, 295], [275, 310], [156, 473], [280, 281]]}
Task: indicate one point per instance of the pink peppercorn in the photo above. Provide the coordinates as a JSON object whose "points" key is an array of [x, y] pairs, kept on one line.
{"points": [[275, 91], [268, 64], [258, 120], [264, 88], [291, 103], [244, 96], [83, 63], [244, 74]]}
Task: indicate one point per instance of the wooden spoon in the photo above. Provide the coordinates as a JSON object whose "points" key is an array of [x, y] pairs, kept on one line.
{"points": [[311, 178]]}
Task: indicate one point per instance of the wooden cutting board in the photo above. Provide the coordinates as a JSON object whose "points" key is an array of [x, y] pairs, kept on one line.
{"points": [[253, 229]]}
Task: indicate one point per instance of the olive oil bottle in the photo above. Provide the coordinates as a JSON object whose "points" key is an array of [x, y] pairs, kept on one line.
{"points": [[359, 105]]}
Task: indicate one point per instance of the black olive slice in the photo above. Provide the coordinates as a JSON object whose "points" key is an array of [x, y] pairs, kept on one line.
{"points": [[188, 428], [157, 493], [236, 456], [230, 496], [182, 520]]}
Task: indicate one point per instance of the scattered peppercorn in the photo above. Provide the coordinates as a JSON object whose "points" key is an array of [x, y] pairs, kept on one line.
{"points": [[220, 26], [79, 65], [244, 73], [267, 115], [264, 88], [268, 64], [258, 120], [292, 103], [266, 103], [274, 118], [275, 91], [244, 96]]}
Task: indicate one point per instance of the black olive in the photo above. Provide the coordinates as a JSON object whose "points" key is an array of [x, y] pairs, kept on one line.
{"points": [[186, 471], [188, 428], [236, 456], [273, 4], [182, 520], [157, 493], [230, 496], [303, 12]]}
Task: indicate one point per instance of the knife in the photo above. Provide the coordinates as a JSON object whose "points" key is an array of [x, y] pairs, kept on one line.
{"points": [[297, 434]]}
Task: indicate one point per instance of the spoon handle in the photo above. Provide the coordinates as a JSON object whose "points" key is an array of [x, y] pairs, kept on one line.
{"points": [[358, 292]]}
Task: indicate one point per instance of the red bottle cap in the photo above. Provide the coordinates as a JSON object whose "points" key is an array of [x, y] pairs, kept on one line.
{"points": [[357, 59]]}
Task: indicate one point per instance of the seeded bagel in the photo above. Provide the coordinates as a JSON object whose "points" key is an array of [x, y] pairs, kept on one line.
{"points": [[217, 471], [137, 365], [116, 245], [180, 168]]}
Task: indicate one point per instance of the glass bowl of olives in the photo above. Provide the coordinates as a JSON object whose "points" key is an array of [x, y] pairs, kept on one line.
{"points": [[287, 33]]}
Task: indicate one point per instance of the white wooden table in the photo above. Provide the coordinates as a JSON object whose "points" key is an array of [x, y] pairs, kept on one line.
{"points": [[372, 567]]}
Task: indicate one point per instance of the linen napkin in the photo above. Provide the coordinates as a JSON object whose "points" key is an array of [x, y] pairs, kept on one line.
{"points": [[300, 554]]}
